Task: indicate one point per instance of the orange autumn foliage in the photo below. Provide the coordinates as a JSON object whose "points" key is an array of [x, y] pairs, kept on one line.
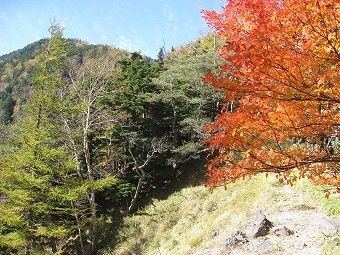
{"points": [[282, 76]]}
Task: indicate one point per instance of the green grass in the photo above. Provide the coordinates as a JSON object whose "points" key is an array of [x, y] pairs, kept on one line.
{"points": [[330, 205], [331, 247], [187, 218]]}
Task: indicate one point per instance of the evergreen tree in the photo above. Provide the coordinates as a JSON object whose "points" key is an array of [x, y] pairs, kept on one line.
{"points": [[50, 172], [190, 103], [36, 167], [140, 134], [7, 104]]}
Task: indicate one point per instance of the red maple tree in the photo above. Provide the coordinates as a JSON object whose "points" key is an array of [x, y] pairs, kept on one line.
{"points": [[282, 77]]}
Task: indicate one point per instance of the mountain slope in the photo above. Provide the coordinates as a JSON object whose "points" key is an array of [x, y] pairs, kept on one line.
{"points": [[194, 220], [17, 68]]}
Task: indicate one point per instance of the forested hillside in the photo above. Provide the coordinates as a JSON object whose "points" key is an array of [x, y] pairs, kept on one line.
{"points": [[17, 69], [89, 130], [90, 133]]}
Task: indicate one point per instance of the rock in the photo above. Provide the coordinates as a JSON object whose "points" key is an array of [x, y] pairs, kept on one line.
{"points": [[265, 246], [215, 233], [212, 207], [328, 226], [262, 225], [237, 238], [283, 231], [335, 240]]}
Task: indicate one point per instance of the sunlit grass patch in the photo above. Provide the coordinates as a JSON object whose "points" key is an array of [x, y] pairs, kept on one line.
{"points": [[331, 205], [186, 219]]}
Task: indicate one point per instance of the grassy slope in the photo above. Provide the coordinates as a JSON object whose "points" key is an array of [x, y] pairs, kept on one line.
{"points": [[185, 221]]}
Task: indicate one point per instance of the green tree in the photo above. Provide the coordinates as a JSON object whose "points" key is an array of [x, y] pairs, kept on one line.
{"points": [[7, 104], [88, 125], [140, 133], [56, 157], [36, 167], [190, 103]]}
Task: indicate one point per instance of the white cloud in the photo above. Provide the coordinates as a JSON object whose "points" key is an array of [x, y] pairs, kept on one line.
{"points": [[171, 18], [3, 16], [129, 44]]}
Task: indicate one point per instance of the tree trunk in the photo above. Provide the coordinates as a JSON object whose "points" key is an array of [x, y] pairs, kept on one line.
{"points": [[174, 124], [53, 245], [135, 197], [79, 230], [94, 223], [91, 196]]}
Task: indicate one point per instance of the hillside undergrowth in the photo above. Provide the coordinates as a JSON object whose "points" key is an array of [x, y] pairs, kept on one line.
{"points": [[193, 218], [187, 219]]}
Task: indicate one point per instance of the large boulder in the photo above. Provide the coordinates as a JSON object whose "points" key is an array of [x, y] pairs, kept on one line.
{"points": [[262, 225], [283, 231], [328, 226], [237, 238]]}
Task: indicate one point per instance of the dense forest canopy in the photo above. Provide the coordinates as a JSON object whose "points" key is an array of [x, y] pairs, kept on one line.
{"points": [[87, 130]]}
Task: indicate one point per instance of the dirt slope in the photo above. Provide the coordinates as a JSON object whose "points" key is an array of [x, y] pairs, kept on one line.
{"points": [[297, 212], [196, 221]]}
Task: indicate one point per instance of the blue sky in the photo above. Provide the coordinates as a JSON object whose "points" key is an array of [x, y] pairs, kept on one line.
{"points": [[133, 25]]}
